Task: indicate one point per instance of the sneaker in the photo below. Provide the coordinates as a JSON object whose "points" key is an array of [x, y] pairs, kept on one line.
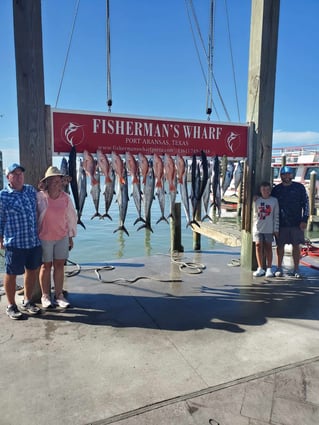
{"points": [[29, 307], [61, 301], [278, 272], [259, 272], [296, 274], [13, 312], [269, 273], [46, 301]]}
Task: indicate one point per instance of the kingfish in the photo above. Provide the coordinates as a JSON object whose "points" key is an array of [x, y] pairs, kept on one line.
{"points": [[122, 199], [159, 185], [148, 196], [109, 184], [206, 195], [238, 174], [182, 178], [228, 176], [132, 167], [93, 172], [216, 203], [74, 184], [81, 180], [170, 176]]}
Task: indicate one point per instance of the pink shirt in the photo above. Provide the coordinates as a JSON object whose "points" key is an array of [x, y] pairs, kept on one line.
{"points": [[56, 217]]}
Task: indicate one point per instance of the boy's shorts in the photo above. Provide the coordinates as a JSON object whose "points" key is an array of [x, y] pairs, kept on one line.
{"points": [[55, 250], [263, 237], [19, 259]]}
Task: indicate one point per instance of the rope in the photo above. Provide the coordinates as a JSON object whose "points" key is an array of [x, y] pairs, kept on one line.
{"points": [[232, 59], [184, 266], [68, 51], [108, 56]]}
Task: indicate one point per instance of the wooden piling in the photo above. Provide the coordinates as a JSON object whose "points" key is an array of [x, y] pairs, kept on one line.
{"points": [[312, 192]]}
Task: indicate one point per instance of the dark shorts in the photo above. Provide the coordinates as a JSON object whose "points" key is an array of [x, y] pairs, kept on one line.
{"points": [[290, 235], [17, 259]]}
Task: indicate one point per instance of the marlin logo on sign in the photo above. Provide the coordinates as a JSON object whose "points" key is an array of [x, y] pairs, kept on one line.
{"points": [[72, 133], [233, 141]]}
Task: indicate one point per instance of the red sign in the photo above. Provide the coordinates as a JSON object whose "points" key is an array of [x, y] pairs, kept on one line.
{"points": [[148, 135]]}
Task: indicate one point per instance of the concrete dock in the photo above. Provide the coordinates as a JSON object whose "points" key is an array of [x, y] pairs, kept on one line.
{"points": [[156, 340]]}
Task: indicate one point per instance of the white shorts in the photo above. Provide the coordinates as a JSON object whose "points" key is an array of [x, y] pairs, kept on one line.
{"points": [[55, 250]]}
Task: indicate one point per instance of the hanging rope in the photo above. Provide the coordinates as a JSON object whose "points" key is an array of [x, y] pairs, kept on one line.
{"points": [[232, 59], [68, 51], [210, 54], [108, 57]]}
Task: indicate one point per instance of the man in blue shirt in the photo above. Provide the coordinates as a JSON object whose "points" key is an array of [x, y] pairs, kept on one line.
{"points": [[19, 239], [293, 216]]}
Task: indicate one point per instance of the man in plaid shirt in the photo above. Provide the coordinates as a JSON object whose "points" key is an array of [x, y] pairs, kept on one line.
{"points": [[19, 239]]}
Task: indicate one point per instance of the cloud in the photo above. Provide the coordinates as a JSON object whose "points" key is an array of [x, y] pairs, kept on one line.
{"points": [[293, 138]]}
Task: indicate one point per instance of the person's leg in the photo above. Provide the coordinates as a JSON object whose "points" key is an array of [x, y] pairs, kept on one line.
{"points": [[58, 276], [30, 279], [259, 254], [45, 278], [296, 256], [268, 253], [10, 287], [280, 255]]}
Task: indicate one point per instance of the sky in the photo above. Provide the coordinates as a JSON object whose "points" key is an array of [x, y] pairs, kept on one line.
{"points": [[156, 68]]}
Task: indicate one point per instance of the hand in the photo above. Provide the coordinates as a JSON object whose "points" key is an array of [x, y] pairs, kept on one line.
{"points": [[70, 243], [303, 225]]}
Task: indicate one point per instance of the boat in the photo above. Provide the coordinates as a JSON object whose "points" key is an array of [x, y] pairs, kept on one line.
{"points": [[302, 159]]}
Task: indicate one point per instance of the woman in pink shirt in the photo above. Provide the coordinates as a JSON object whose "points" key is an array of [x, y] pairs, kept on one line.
{"points": [[57, 222]]}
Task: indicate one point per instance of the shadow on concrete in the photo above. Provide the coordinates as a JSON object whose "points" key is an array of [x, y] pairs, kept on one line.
{"points": [[225, 308]]}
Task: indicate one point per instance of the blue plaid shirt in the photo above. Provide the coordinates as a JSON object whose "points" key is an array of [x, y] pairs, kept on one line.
{"points": [[18, 217]]}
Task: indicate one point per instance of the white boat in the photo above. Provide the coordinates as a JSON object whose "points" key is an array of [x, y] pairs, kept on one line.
{"points": [[303, 160]]}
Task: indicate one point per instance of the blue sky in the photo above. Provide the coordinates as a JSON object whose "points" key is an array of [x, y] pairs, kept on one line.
{"points": [[155, 69]]}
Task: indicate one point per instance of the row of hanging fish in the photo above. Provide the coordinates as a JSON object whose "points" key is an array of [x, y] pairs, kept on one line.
{"points": [[151, 178]]}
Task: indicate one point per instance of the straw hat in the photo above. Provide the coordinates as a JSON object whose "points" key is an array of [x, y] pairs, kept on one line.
{"points": [[52, 172]]}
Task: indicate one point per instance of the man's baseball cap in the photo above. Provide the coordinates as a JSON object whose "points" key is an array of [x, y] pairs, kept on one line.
{"points": [[13, 167], [286, 170]]}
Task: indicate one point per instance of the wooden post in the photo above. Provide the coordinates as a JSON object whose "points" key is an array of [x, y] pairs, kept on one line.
{"points": [[34, 147], [1, 172], [196, 235], [30, 88], [175, 226], [260, 106]]}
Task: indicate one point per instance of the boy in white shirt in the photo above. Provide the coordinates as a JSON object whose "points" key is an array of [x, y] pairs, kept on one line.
{"points": [[265, 226]]}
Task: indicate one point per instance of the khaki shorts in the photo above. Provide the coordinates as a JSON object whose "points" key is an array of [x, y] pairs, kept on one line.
{"points": [[55, 250]]}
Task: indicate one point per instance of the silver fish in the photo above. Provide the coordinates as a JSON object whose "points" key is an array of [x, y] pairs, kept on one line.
{"points": [[148, 196], [95, 193], [184, 194], [228, 176], [160, 194], [238, 174], [82, 185], [65, 171], [108, 193], [122, 199], [206, 195]]}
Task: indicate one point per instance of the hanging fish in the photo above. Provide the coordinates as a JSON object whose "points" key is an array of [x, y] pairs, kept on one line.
{"points": [[93, 172], [143, 163], [238, 174], [74, 184], [216, 203], [65, 171], [109, 183], [81, 180], [148, 196], [170, 176], [118, 167], [122, 200], [182, 179], [228, 176], [195, 189], [206, 194], [159, 185], [132, 167]]}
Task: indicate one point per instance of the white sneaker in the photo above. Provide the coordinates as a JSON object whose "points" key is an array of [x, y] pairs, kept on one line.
{"points": [[259, 272], [46, 301], [61, 301], [269, 272], [278, 272]]}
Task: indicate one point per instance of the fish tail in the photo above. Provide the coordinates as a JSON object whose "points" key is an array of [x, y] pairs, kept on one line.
{"points": [[146, 226], [138, 219], [195, 223], [106, 215], [97, 214], [206, 216], [162, 219], [123, 228], [81, 223]]}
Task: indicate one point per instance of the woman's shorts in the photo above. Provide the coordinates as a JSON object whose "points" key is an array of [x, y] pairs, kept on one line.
{"points": [[263, 237], [55, 250]]}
